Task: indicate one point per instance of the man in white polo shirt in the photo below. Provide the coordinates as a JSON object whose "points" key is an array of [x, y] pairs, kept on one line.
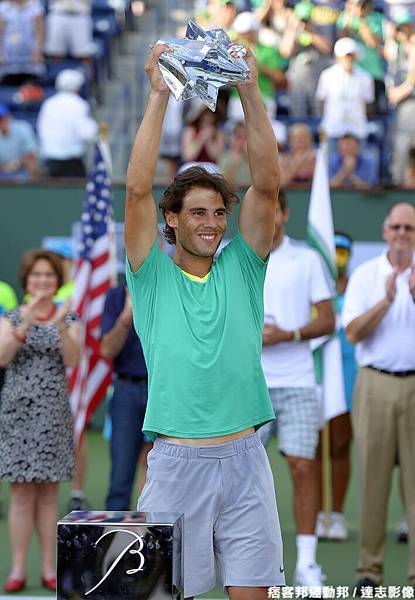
{"points": [[345, 90], [295, 281], [379, 317]]}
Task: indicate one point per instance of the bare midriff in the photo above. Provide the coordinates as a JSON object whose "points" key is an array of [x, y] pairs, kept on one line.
{"points": [[212, 441]]}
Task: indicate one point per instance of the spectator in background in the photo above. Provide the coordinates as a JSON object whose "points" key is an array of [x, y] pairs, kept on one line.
{"points": [[400, 90], [297, 164], [295, 280], [395, 8], [340, 427], [379, 317], [271, 66], [361, 22], [65, 127], [38, 341], [273, 15], [234, 163], [309, 53], [218, 13], [409, 175], [128, 404], [350, 167], [21, 41], [8, 301], [69, 29], [65, 250], [202, 139], [345, 90], [226, 14], [18, 147]]}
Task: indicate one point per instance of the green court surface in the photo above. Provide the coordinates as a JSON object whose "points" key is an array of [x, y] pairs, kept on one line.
{"points": [[338, 559]]}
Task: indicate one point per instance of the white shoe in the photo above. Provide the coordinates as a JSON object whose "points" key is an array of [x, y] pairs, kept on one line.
{"points": [[338, 527], [321, 529], [310, 576], [403, 531]]}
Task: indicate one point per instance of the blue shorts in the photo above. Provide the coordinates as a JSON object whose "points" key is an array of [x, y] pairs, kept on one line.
{"points": [[226, 493]]}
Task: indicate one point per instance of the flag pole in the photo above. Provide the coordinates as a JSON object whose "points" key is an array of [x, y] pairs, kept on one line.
{"points": [[325, 436], [104, 143]]}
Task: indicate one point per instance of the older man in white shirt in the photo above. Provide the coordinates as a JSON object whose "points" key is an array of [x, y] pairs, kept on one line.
{"points": [[65, 127], [379, 317]]}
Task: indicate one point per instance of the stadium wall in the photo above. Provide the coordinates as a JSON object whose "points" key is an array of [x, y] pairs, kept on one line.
{"points": [[32, 212]]}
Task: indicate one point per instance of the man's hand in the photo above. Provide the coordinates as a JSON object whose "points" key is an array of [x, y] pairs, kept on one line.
{"points": [[12, 165], [153, 70], [349, 164], [205, 134], [390, 286], [272, 334], [253, 68]]}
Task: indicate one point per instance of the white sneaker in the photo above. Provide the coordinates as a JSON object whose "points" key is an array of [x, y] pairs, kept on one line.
{"points": [[310, 576], [338, 527], [403, 531], [321, 529]]}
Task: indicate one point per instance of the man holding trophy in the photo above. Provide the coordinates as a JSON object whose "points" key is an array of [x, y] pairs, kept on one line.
{"points": [[200, 321]]}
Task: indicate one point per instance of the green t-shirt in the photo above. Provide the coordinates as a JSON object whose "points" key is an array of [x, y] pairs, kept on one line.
{"points": [[202, 343], [371, 59], [8, 299]]}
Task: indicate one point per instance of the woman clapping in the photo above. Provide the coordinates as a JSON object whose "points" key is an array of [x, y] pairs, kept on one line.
{"points": [[38, 341]]}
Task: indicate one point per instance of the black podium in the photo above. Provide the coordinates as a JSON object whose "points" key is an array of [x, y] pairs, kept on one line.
{"points": [[120, 556]]}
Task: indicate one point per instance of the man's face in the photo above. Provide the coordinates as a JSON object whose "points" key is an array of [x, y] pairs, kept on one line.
{"points": [[342, 259], [227, 14], [349, 146], [347, 62], [201, 223], [399, 230]]}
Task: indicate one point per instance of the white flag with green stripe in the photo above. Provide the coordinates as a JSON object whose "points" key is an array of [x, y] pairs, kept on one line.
{"points": [[320, 235]]}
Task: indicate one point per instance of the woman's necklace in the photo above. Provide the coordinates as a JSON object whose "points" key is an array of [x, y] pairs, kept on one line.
{"points": [[48, 316]]}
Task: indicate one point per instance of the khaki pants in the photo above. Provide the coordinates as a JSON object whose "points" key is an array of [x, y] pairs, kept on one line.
{"points": [[384, 429]]}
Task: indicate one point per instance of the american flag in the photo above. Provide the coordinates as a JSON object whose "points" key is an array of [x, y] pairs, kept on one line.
{"points": [[93, 273]]}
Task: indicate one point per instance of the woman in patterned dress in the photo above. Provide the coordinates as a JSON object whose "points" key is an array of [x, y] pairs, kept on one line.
{"points": [[38, 341]]}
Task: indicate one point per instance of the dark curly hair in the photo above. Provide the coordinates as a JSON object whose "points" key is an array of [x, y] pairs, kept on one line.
{"points": [[194, 177]]}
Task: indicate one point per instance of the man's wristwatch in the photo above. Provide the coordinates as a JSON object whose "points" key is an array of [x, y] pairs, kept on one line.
{"points": [[297, 335]]}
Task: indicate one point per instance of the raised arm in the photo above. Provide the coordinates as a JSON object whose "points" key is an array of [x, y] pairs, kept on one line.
{"points": [[140, 208], [257, 215]]}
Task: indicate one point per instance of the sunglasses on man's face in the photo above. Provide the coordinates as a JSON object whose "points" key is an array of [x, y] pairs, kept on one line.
{"points": [[405, 227]]}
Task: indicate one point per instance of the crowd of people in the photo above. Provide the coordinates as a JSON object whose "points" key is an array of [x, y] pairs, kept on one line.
{"points": [[198, 330], [186, 327], [49, 70], [346, 67]]}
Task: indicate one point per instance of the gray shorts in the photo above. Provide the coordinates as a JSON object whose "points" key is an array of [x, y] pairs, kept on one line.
{"points": [[298, 417], [226, 493]]}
